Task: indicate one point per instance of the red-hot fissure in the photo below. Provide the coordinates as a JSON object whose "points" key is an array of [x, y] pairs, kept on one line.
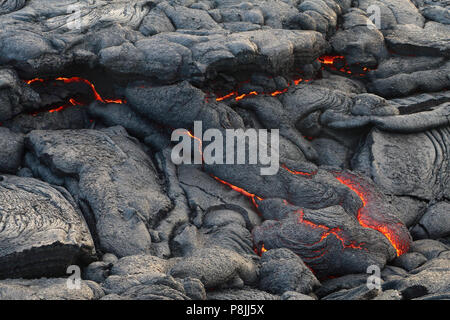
{"points": [[72, 101], [336, 63], [366, 221], [363, 216]]}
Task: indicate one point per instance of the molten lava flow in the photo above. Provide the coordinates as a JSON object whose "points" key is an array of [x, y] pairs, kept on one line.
{"points": [[72, 101], [308, 174], [393, 232], [34, 80], [338, 64], [252, 196], [260, 251], [327, 232], [330, 60], [238, 97], [94, 91]]}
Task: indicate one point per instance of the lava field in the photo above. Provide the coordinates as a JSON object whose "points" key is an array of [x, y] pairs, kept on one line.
{"points": [[91, 93]]}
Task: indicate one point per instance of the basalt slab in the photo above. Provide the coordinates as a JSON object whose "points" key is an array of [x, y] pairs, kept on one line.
{"points": [[393, 164], [48, 289], [112, 179], [42, 230], [12, 147]]}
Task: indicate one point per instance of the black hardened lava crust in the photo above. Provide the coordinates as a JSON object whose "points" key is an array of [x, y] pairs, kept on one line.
{"points": [[91, 93]]}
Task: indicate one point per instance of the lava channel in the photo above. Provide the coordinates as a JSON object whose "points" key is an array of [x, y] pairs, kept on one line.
{"points": [[338, 64], [369, 215], [73, 101], [240, 96]]}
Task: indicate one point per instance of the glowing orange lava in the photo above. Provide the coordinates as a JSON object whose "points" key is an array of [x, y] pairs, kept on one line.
{"points": [[309, 174], [337, 63], [241, 191], [330, 60], [237, 96], [393, 232], [400, 245], [200, 143], [327, 232], [72, 101]]}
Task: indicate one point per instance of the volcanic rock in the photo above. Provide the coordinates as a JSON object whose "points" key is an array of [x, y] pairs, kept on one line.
{"points": [[171, 57], [433, 277], [109, 258], [48, 289], [420, 172], [410, 261], [69, 118], [194, 289], [203, 192], [393, 273], [43, 231], [431, 40], [359, 40], [359, 245], [405, 83], [435, 223], [436, 13], [282, 271], [293, 295], [145, 286], [223, 226], [130, 195], [216, 267], [154, 292], [359, 293], [346, 282], [15, 96], [97, 271], [389, 295], [12, 147], [429, 248], [241, 294], [92, 91], [394, 12], [139, 264], [409, 209]]}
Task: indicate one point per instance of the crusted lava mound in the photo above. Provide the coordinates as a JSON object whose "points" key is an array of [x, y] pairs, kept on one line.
{"points": [[91, 93]]}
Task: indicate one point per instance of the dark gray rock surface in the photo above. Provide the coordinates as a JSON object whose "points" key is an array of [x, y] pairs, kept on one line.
{"points": [[430, 278], [130, 195], [42, 229], [48, 289], [241, 294], [410, 261], [429, 41], [91, 92], [404, 171], [282, 271], [12, 147], [346, 282], [435, 223], [429, 248], [358, 293]]}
